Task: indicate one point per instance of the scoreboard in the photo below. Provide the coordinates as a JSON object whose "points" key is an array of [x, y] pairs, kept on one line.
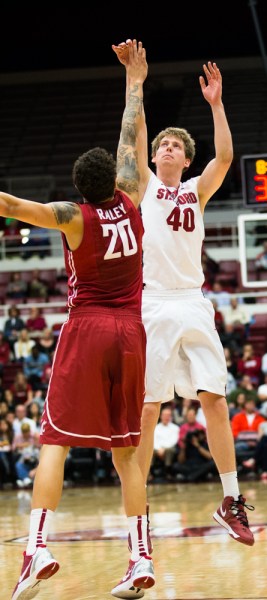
{"points": [[254, 180]]}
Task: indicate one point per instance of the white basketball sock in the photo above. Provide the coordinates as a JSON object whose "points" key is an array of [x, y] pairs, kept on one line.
{"points": [[138, 533], [40, 520], [230, 484]]}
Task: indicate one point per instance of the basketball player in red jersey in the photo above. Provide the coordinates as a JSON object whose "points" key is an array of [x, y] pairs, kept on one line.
{"points": [[183, 346], [96, 389]]}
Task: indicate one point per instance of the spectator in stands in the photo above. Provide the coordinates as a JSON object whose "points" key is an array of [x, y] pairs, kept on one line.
{"points": [[245, 427], [23, 345], [34, 412], [219, 294], [195, 462], [38, 243], [37, 288], [21, 417], [21, 390], [47, 342], [191, 424], [36, 322], [237, 406], [39, 397], [165, 441], [33, 367], [16, 287], [237, 314], [7, 463], [9, 398], [26, 447], [5, 352], [13, 325], [3, 408], [246, 387], [218, 316], [250, 364], [232, 338], [11, 416], [231, 361]]}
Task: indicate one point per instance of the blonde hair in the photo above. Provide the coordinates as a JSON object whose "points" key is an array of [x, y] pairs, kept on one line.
{"points": [[181, 134], [25, 427]]}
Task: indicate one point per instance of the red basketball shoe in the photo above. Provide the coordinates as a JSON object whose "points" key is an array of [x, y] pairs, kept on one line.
{"points": [[36, 567], [232, 516]]}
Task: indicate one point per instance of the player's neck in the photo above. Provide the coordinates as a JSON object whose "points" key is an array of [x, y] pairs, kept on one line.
{"points": [[168, 178]]}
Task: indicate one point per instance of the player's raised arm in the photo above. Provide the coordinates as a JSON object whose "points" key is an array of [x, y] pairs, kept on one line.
{"points": [[128, 177], [122, 52], [216, 170]]}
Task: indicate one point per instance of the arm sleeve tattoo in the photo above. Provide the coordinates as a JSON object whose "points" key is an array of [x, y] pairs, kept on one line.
{"points": [[127, 160]]}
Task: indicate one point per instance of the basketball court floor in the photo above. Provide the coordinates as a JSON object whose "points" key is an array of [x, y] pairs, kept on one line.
{"points": [[194, 559]]}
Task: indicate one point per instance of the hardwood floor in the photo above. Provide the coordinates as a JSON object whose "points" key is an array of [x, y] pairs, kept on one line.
{"points": [[194, 558]]}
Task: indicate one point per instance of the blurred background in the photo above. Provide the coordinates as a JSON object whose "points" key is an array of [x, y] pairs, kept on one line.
{"points": [[62, 92]]}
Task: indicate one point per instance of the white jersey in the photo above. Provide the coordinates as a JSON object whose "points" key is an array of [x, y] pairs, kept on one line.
{"points": [[174, 233]]}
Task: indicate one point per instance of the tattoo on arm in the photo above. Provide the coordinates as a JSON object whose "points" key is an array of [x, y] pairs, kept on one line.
{"points": [[64, 211], [127, 160]]}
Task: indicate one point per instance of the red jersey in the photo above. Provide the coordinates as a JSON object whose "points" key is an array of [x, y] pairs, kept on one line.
{"points": [[106, 269]]}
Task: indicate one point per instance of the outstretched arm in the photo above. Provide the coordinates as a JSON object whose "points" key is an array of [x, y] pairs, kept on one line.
{"points": [[122, 52], [214, 173], [128, 176], [64, 216]]}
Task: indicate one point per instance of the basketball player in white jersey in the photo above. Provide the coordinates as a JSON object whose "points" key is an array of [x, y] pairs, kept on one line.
{"points": [[183, 346]]}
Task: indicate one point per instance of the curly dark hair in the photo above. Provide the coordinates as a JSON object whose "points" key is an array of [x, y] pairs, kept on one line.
{"points": [[94, 175]]}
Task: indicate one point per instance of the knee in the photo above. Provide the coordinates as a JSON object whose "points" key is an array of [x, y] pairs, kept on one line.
{"points": [[150, 414], [123, 456], [215, 405]]}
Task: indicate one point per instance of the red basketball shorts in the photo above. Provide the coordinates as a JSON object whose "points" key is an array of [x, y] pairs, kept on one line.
{"points": [[96, 390]]}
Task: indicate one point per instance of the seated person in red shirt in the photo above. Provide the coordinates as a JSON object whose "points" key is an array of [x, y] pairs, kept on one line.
{"points": [[245, 426], [36, 322], [250, 364], [191, 425]]}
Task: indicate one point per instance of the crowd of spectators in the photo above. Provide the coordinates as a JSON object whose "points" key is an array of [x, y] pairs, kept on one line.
{"points": [[29, 346], [181, 451]]}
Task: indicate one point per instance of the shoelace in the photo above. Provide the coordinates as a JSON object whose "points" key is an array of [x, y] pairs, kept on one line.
{"points": [[239, 510]]}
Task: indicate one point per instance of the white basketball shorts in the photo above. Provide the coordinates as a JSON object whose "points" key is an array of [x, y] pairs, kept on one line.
{"points": [[183, 346]]}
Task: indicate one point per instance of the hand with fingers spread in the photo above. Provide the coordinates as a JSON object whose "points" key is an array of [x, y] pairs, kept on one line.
{"points": [[212, 90]]}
